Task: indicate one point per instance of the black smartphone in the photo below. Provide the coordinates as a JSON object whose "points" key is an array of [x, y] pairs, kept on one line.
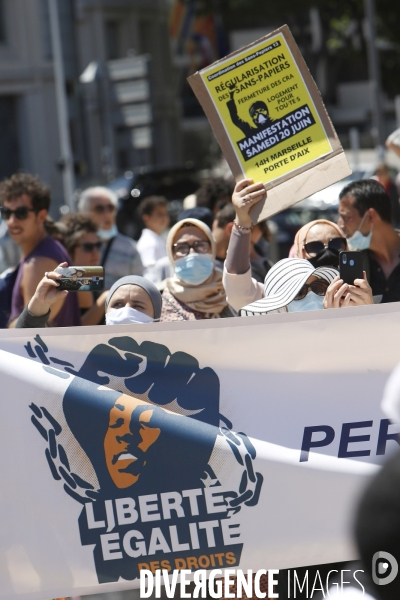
{"points": [[81, 279], [351, 266]]}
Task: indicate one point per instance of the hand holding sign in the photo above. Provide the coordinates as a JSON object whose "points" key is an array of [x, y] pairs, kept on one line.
{"points": [[270, 122], [245, 195]]}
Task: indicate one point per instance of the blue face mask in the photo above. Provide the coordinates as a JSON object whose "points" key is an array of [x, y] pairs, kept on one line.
{"points": [[194, 268], [359, 241], [107, 234], [310, 302]]}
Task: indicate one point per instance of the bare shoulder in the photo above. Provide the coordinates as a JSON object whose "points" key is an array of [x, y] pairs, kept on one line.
{"points": [[38, 265]]}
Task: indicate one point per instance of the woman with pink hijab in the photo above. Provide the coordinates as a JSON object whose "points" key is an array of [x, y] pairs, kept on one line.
{"points": [[319, 242]]}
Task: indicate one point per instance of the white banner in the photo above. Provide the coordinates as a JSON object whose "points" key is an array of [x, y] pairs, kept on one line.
{"points": [[216, 444]]}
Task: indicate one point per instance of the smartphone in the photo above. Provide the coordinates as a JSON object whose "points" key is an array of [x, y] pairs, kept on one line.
{"points": [[81, 279], [351, 266]]}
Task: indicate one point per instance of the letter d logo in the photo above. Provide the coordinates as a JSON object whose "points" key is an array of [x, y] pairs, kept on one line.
{"points": [[384, 568]]}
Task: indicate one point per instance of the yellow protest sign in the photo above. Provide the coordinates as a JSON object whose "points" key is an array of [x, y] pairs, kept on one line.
{"points": [[267, 113], [267, 110]]}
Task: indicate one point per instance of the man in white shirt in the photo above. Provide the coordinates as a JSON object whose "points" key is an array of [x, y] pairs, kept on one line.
{"points": [[151, 245]]}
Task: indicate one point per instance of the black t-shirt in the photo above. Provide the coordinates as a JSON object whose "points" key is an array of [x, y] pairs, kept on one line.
{"points": [[388, 288]]}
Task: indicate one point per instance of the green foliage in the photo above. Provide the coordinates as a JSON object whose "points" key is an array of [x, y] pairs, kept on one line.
{"points": [[342, 27]]}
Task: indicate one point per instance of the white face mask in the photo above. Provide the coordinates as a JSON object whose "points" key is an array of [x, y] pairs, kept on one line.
{"points": [[310, 302], [125, 316], [262, 119], [359, 241], [107, 234]]}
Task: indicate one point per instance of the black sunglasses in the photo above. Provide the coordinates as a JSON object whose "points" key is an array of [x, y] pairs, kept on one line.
{"points": [[89, 246], [318, 287], [21, 213], [338, 243], [100, 208]]}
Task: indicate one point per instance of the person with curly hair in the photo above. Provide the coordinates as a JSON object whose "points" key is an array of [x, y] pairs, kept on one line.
{"points": [[25, 203], [214, 194], [84, 246]]}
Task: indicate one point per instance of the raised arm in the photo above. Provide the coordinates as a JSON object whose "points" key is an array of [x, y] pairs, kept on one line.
{"points": [[240, 288], [393, 142], [46, 295], [233, 112], [33, 274]]}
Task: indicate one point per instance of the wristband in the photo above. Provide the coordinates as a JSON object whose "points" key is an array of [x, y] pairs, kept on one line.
{"points": [[241, 228]]}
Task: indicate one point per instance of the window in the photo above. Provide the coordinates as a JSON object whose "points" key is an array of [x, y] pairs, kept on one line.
{"points": [[9, 147], [113, 36], [2, 23]]}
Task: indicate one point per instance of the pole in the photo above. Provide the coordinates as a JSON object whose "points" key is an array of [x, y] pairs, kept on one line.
{"points": [[354, 135], [375, 78], [62, 109], [107, 154], [397, 109]]}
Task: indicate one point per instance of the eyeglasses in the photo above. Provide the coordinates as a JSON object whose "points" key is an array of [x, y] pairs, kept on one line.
{"points": [[200, 246], [318, 287], [89, 247], [102, 208], [338, 243], [21, 213]]}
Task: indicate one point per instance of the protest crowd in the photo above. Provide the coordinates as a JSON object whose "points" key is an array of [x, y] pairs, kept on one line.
{"points": [[207, 265], [215, 258]]}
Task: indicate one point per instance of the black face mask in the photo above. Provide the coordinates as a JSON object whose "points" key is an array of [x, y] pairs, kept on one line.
{"points": [[326, 258]]}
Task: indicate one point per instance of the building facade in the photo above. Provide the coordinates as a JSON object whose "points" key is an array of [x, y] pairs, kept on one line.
{"points": [[92, 31]]}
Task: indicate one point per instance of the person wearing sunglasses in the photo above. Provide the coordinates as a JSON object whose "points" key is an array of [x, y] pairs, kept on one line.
{"points": [[294, 274], [119, 254], [25, 202], [195, 291], [320, 242], [295, 285], [84, 246]]}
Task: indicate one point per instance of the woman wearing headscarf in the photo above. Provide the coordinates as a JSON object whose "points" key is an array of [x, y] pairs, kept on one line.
{"points": [[131, 299], [242, 290], [320, 242], [195, 291]]}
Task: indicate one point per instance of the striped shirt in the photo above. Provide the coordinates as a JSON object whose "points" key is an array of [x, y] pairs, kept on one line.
{"points": [[122, 259]]}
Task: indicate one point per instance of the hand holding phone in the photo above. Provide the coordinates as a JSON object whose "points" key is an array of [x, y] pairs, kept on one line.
{"points": [[360, 292], [47, 293], [351, 266], [81, 279]]}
